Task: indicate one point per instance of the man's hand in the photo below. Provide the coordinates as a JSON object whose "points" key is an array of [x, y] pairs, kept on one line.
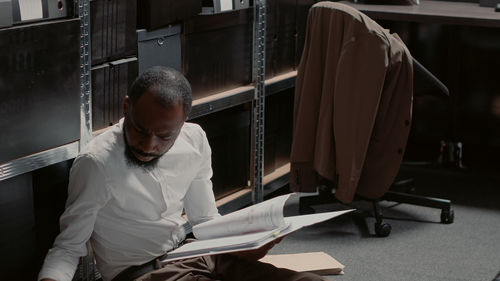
{"points": [[258, 253]]}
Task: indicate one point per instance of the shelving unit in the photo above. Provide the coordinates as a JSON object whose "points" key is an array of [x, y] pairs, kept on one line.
{"points": [[271, 183], [255, 93], [201, 107], [46, 91], [85, 82], [33, 161], [280, 83], [38, 160], [221, 101], [204, 106], [251, 97]]}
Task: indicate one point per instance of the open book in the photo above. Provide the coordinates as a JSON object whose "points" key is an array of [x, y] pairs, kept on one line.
{"points": [[246, 229]]}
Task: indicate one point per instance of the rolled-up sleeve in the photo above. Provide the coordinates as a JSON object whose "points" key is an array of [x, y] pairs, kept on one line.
{"points": [[199, 202], [87, 193]]}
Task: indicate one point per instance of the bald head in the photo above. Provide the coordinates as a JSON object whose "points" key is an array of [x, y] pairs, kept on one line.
{"points": [[170, 88]]}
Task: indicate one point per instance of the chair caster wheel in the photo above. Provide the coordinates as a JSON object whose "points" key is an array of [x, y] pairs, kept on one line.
{"points": [[447, 216], [382, 229]]}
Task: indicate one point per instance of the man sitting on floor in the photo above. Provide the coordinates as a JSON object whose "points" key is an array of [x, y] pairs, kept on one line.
{"points": [[129, 186]]}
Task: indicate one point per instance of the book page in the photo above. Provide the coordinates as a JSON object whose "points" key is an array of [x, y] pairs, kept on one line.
{"points": [[297, 222], [247, 241], [267, 215], [305, 220]]}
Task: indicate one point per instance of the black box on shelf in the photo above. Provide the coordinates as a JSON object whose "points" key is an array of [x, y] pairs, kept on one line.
{"points": [[5, 13], [278, 130], [15, 12], [110, 83], [160, 47], [152, 14], [228, 133], [221, 6], [113, 25], [280, 37], [40, 87], [241, 4], [488, 3], [217, 51]]}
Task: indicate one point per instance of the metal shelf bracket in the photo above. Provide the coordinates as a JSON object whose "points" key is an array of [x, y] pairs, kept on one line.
{"points": [[85, 86], [258, 103]]}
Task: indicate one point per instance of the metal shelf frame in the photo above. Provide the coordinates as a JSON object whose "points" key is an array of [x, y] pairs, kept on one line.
{"points": [[221, 101], [85, 83], [258, 104], [68, 151], [38, 160], [254, 93]]}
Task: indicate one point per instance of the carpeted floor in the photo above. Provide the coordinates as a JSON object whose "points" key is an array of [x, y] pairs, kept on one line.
{"points": [[419, 246]]}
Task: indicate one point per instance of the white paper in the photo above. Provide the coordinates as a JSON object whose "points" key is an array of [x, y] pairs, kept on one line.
{"points": [[226, 5], [30, 9], [223, 242], [248, 241], [297, 222], [267, 215]]}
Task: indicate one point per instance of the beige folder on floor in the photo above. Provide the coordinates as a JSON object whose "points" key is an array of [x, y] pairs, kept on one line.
{"points": [[318, 262]]}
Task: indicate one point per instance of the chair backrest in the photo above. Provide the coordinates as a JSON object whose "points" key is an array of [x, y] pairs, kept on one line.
{"points": [[353, 100]]}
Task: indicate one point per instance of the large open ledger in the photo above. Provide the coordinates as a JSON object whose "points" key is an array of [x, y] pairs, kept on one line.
{"points": [[246, 229]]}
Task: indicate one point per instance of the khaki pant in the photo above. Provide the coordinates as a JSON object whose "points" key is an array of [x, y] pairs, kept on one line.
{"points": [[224, 267]]}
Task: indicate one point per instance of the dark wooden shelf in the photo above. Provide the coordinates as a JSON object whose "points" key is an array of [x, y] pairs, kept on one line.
{"points": [[221, 101], [280, 83]]}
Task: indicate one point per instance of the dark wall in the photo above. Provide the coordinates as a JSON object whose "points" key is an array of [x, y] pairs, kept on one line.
{"points": [[30, 206], [17, 220], [465, 59]]}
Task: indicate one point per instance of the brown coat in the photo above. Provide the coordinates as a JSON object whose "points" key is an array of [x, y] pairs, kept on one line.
{"points": [[353, 100]]}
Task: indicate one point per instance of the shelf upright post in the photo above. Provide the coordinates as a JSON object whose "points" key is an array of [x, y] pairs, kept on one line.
{"points": [[85, 86], [259, 54], [86, 270]]}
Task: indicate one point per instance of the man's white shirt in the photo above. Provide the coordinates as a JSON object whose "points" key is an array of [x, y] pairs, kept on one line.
{"points": [[131, 214]]}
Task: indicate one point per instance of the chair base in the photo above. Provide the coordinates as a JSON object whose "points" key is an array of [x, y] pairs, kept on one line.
{"points": [[382, 229]]}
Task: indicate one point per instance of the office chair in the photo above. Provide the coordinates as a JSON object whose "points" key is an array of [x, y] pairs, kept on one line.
{"points": [[352, 113]]}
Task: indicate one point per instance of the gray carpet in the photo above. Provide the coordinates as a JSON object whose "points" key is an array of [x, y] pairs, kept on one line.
{"points": [[419, 246]]}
